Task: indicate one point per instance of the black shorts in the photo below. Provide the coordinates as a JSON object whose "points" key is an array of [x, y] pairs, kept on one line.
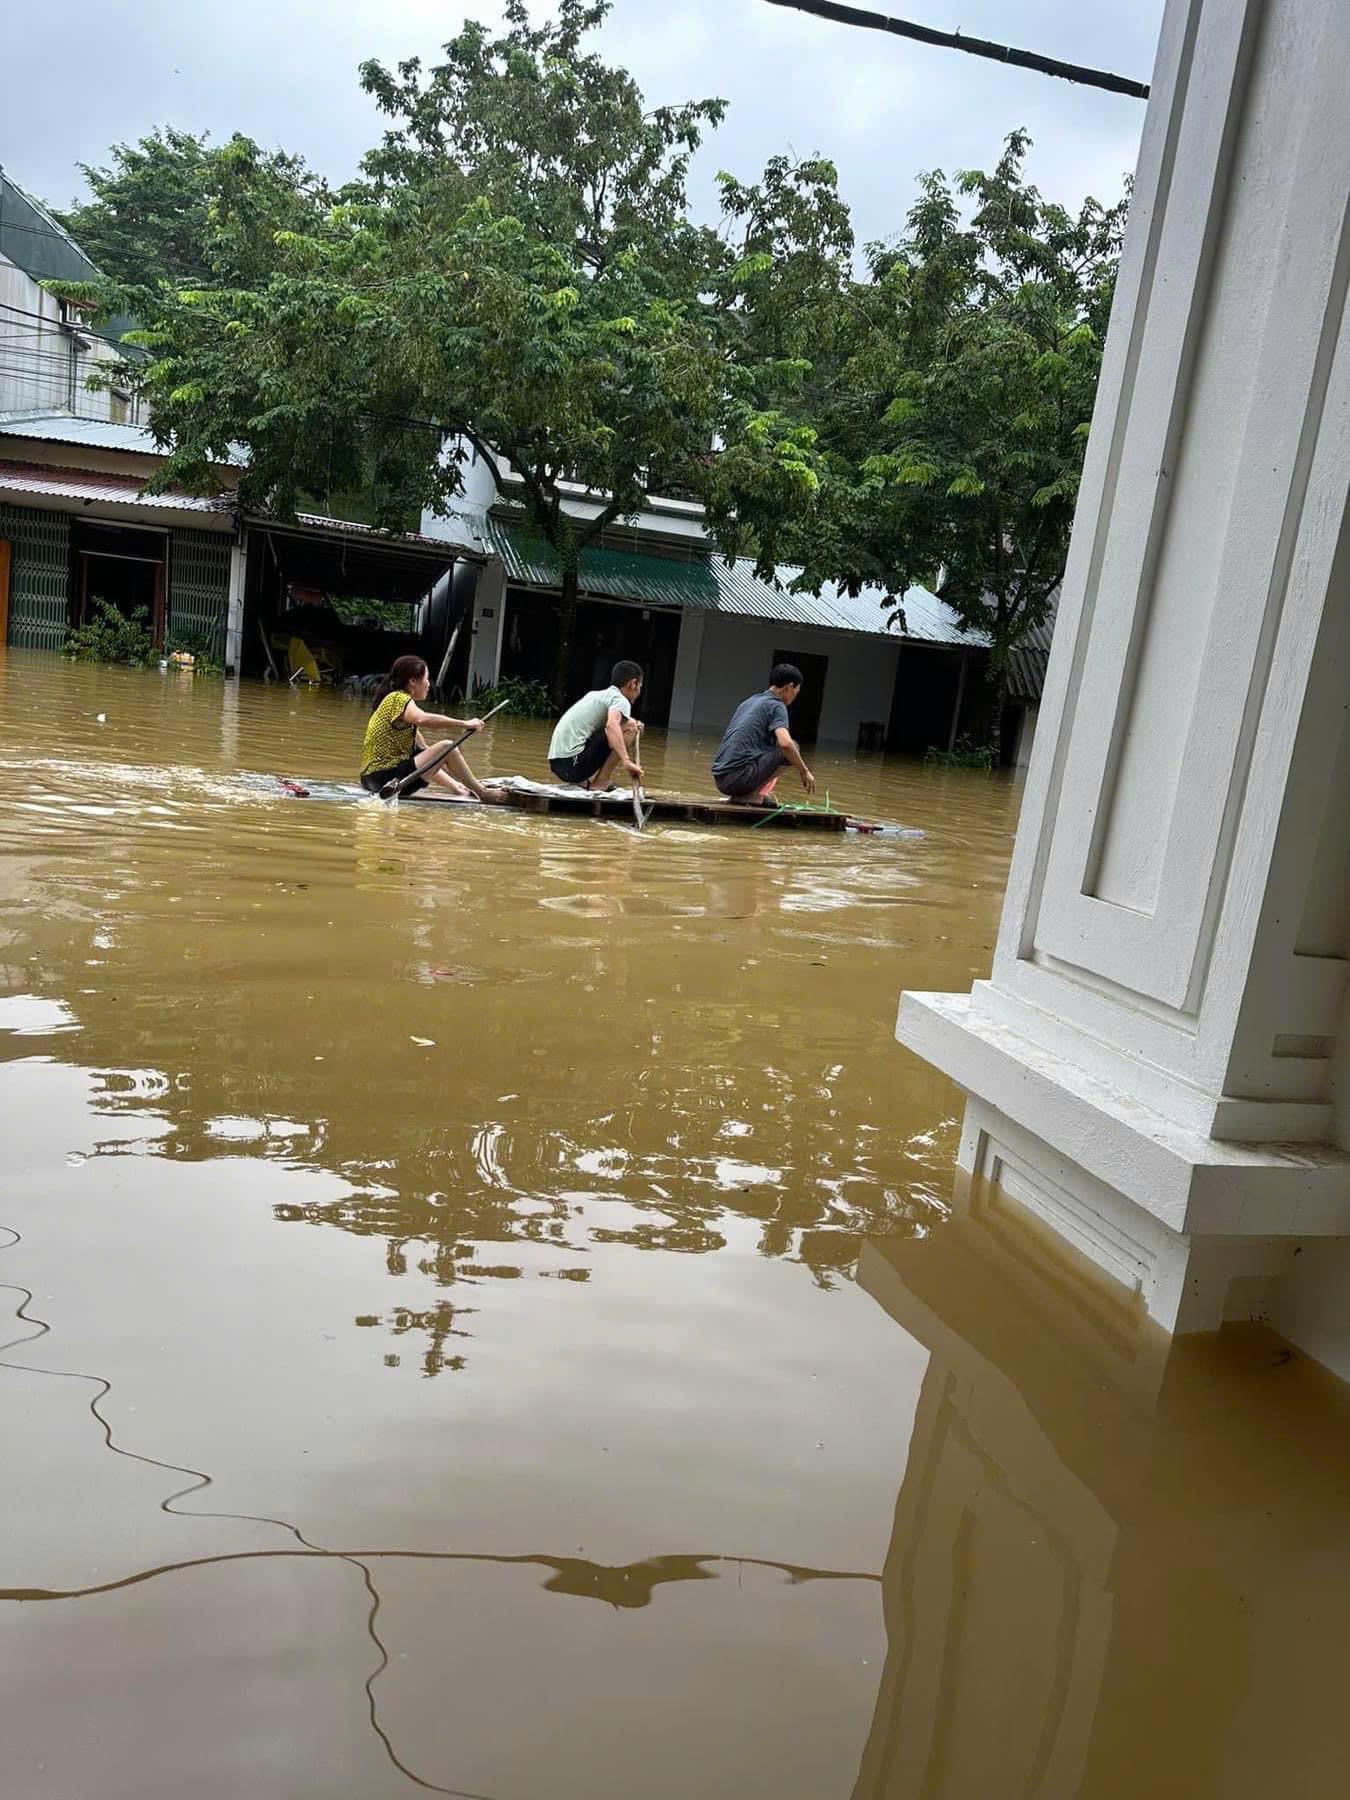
{"points": [[378, 778], [748, 778], [577, 770]]}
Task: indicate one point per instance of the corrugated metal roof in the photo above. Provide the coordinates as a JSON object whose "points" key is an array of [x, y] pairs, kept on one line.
{"points": [[707, 584], [1028, 660], [94, 484], [93, 434], [414, 540]]}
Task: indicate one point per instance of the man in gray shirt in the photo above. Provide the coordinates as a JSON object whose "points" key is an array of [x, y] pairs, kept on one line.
{"points": [[757, 743]]}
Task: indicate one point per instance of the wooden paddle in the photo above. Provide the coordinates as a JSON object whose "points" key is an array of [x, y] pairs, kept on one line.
{"points": [[394, 790]]}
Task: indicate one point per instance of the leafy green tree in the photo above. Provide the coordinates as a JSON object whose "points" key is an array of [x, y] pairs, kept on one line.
{"points": [[516, 272], [951, 412], [173, 208]]}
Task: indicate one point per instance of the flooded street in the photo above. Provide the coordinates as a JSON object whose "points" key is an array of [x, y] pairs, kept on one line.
{"points": [[489, 1312]]}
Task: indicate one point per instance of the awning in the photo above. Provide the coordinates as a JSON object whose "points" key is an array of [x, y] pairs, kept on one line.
{"points": [[342, 557], [85, 486], [700, 582]]}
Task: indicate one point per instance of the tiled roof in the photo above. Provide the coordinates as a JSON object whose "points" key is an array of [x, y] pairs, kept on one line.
{"points": [[705, 583], [95, 484]]}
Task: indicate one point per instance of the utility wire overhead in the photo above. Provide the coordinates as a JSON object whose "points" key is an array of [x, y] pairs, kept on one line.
{"points": [[955, 40]]}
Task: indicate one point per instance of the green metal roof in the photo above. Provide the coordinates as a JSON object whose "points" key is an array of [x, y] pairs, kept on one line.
{"points": [[705, 583]]}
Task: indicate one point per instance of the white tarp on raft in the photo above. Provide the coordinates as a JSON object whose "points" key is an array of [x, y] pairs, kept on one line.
{"points": [[557, 790]]}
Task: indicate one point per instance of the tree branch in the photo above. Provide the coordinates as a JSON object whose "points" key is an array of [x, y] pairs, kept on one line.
{"points": [[601, 522]]}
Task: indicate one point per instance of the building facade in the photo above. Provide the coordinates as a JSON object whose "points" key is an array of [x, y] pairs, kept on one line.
{"points": [[75, 523], [904, 677], [254, 594], [49, 348]]}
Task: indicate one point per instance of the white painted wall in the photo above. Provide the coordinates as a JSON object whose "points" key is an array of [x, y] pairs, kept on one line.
{"points": [[735, 658], [43, 366], [1026, 737], [489, 618], [477, 476], [684, 691], [234, 623]]}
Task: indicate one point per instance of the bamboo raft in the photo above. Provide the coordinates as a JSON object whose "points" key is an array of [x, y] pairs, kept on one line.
{"points": [[690, 809]]}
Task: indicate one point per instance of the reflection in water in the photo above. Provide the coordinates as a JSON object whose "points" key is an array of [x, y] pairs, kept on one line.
{"points": [[1118, 1566], [624, 1587], [498, 1208]]}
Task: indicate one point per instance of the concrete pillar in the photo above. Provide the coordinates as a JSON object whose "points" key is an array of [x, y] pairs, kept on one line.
{"points": [[234, 617], [685, 691], [1156, 1061], [955, 731], [489, 623]]}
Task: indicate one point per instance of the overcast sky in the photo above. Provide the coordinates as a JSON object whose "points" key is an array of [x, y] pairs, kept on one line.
{"points": [[83, 75]]}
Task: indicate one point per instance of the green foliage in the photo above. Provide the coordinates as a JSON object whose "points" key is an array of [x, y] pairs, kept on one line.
{"points": [[524, 699], [963, 755], [389, 615], [110, 636], [952, 401], [172, 209], [516, 270]]}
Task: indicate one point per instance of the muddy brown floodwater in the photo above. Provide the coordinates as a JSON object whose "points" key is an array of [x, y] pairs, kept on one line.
{"points": [[488, 1312]]}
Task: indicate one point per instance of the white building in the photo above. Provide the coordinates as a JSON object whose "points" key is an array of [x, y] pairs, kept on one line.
{"points": [[1160, 1064], [654, 589], [48, 347]]}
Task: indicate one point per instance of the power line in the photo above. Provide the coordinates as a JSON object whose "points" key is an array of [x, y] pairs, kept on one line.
{"points": [[55, 322], [955, 40], [48, 231], [31, 347]]}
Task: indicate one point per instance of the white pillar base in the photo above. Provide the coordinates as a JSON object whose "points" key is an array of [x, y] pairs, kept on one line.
{"points": [[234, 618], [1202, 1230]]}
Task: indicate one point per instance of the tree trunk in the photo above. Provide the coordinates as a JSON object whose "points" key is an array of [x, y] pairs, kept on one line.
{"points": [[996, 716], [567, 629]]}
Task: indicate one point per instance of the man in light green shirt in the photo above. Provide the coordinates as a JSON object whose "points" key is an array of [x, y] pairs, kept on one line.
{"points": [[599, 734]]}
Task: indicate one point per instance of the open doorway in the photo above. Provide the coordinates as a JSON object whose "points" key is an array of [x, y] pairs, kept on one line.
{"points": [[607, 631], [124, 567], [804, 713], [326, 600]]}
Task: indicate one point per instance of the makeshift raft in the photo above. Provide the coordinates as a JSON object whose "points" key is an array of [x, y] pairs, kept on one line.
{"points": [[525, 795], [692, 809]]}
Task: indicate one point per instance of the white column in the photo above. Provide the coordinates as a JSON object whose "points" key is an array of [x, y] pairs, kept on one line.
{"points": [[1153, 1064], [489, 619], [685, 690], [234, 618]]}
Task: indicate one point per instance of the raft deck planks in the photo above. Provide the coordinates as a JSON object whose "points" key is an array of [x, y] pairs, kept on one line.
{"points": [[670, 808]]}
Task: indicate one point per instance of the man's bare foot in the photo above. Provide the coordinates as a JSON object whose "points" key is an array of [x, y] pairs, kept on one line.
{"points": [[492, 796]]}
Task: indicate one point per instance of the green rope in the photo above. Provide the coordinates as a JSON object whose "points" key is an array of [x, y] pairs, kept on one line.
{"points": [[796, 806]]}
